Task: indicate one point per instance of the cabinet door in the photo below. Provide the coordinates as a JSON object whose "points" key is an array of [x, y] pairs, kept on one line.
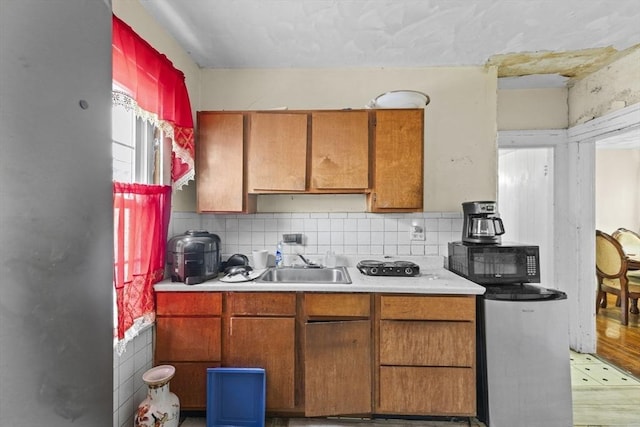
{"points": [[269, 343], [337, 378], [220, 163], [427, 391], [184, 339], [397, 161], [277, 152], [340, 150]]}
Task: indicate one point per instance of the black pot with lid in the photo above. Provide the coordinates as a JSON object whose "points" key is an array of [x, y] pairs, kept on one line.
{"points": [[193, 257]]}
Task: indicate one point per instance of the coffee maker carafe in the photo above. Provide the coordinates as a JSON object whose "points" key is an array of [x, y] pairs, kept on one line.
{"points": [[482, 224]]}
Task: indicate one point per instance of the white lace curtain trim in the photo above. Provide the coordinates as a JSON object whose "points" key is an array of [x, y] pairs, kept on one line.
{"points": [[139, 325], [124, 100]]}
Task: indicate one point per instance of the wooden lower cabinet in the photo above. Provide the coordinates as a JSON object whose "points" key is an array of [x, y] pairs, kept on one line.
{"points": [[260, 332], [326, 354], [190, 383], [427, 390], [337, 367], [188, 336], [337, 349], [267, 343], [426, 355]]}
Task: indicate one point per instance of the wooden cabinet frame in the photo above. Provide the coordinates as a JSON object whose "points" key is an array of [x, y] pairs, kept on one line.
{"points": [[425, 355], [342, 354], [379, 153]]}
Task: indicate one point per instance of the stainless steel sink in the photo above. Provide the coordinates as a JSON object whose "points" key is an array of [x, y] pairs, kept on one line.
{"points": [[305, 275]]}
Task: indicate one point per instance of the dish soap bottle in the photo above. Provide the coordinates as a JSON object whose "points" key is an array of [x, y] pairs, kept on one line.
{"points": [[279, 260]]}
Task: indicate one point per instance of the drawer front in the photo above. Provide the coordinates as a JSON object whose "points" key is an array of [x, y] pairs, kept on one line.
{"points": [[427, 391], [188, 303], [188, 338], [261, 303], [338, 305], [432, 343], [428, 307]]}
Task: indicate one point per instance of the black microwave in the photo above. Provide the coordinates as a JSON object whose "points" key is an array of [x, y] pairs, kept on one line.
{"points": [[495, 264]]}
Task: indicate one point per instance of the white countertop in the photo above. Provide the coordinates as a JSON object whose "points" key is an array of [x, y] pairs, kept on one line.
{"points": [[433, 279]]}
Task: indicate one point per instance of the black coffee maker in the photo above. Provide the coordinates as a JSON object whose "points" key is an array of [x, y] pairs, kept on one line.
{"points": [[482, 223]]}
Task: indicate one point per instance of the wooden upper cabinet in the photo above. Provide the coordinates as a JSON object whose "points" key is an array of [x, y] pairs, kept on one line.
{"points": [[339, 150], [397, 161], [244, 153], [277, 152], [220, 163]]}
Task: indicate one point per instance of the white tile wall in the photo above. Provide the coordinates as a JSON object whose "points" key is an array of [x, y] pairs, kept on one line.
{"points": [[340, 232], [128, 388]]}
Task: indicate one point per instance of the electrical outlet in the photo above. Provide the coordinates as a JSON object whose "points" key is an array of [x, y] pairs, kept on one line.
{"points": [[416, 233], [295, 238]]}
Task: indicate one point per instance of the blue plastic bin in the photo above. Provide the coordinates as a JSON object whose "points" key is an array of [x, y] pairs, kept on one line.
{"points": [[235, 397]]}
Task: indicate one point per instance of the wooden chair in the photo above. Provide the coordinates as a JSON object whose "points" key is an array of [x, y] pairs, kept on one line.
{"points": [[629, 240], [613, 277]]}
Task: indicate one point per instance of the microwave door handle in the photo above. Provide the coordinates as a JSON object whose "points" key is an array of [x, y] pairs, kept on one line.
{"points": [[499, 227]]}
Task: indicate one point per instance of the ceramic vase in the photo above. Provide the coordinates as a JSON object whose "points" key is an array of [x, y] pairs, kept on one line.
{"points": [[160, 408]]}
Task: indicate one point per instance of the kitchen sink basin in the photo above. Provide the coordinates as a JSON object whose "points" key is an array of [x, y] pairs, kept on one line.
{"points": [[305, 275]]}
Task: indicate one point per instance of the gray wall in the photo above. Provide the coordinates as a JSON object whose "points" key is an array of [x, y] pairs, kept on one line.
{"points": [[56, 223]]}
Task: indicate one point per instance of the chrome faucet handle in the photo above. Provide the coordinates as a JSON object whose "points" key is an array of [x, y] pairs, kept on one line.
{"points": [[307, 263]]}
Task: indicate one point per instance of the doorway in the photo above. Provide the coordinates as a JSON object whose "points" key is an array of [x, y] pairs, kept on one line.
{"points": [[574, 208], [525, 201]]}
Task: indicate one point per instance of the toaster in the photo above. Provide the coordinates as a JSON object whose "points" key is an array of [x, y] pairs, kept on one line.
{"points": [[193, 257]]}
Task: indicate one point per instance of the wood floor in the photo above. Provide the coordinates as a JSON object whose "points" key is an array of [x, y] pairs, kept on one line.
{"points": [[619, 345]]}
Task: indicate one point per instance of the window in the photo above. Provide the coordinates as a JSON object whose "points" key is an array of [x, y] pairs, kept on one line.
{"points": [[138, 149], [158, 159]]}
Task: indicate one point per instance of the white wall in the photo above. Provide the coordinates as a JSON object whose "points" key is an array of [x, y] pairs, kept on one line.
{"points": [[617, 191], [608, 89], [460, 130], [533, 109], [56, 215]]}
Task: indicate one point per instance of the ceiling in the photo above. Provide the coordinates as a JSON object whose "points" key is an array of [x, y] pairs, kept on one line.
{"points": [[559, 39]]}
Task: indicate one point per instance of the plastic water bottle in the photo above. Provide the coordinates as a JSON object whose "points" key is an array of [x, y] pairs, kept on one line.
{"points": [[279, 262]]}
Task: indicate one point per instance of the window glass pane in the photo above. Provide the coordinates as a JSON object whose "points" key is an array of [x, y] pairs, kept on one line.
{"points": [[123, 122], [123, 160]]}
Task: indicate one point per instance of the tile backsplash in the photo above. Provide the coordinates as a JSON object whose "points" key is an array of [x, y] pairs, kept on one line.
{"points": [[345, 233]]}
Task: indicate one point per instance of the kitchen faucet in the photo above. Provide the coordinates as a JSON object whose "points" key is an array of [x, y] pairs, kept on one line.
{"points": [[307, 263]]}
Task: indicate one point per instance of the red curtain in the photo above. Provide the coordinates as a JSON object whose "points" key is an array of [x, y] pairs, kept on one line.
{"points": [[141, 222], [159, 88]]}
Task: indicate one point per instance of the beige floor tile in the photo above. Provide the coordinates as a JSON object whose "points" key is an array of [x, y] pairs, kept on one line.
{"points": [[606, 406]]}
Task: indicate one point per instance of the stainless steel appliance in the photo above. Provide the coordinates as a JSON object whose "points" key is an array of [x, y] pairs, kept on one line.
{"points": [[490, 264], [193, 257], [523, 367], [522, 335], [482, 224], [388, 268]]}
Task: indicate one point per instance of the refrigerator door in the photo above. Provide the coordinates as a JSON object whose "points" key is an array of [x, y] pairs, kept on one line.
{"points": [[528, 368]]}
